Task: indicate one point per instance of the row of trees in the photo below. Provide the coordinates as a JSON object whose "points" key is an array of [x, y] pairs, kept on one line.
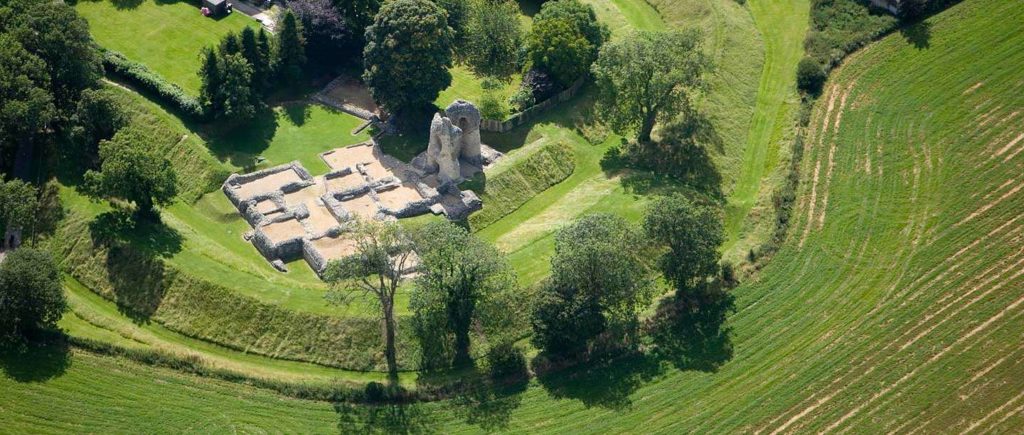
{"points": [[602, 278], [601, 274], [245, 67], [459, 278]]}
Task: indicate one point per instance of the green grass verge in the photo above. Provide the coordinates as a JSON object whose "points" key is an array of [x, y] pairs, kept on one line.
{"points": [[783, 25], [167, 36]]}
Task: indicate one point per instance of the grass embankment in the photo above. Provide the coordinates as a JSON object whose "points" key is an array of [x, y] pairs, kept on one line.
{"points": [[895, 305], [165, 36], [749, 216], [519, 177]]}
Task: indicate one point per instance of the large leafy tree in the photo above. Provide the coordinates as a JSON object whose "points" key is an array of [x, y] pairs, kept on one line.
{"points": [[358, 13], [599, 280], [55, 33], [565, 39], [329, 37], [250, 50], [648, 77], [98, 117], [30, 295], [18, 204], [493, 36], [690, 235], [458, 272], [384, 253], [131, 170], [408, 53], [291, 49], [27, 106]]}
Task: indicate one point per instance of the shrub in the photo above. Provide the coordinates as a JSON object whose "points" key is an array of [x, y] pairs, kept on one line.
{"points": [[137, 74], [506, 361], [565, 39], [810, 76]]}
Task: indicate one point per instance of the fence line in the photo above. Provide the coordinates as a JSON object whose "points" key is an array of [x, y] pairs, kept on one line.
{"points": [[532, 112]]}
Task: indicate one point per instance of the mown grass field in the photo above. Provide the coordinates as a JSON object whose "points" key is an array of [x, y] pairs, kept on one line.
{"points": [[896, 304], [166, 36]]}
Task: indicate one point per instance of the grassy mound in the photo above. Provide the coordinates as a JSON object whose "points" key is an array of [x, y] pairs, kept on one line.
{"points": [[520, 177]]}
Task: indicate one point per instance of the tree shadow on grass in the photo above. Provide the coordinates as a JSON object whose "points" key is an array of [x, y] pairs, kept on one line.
{"points": [[383, 419], [683, 337], [297, 113], [918, 34], [487, 402], [241, 145], [37, 361], [134, 260], [690, 338]]}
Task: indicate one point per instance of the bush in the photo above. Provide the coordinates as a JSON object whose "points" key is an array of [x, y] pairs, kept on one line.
{"points": [[137, 74], [810, 76], [565, 39], [506, 361], [539, 85]]}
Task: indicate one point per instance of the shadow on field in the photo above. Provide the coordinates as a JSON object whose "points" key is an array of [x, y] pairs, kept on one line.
{"points": [[241, 144], [683, 337], [134, 260], [36, 362], [918, 34], [679, 159], [383, 419]]}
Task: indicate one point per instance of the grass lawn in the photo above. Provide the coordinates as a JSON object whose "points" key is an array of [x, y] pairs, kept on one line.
{"points": [[167, 36], [293, 132]]}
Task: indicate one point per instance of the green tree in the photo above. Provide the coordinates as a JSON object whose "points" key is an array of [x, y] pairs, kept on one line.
{"points": [[18, 204], [359, 14], [53, 32], [648, 77], [690, 234], [291, 49], [212, 81], [383, 255], [236, 93], [599, 279], [27, 106], [231, 44], [131, 170], [407, 55], [810, 76], [565, 39], [459, 12], [493, 37], [31, 298], [260, 64], [98, 117], [458, 272]]}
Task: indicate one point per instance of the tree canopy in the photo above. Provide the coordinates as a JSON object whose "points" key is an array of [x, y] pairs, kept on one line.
{"points": [[493, 37], [31, 298], [384, 253], [291, 49], [599, 281], [690, 234], [458, 272], [28, 106], [648, 77], [18, 201], [565, 39], [131, 170], [408, 53]]}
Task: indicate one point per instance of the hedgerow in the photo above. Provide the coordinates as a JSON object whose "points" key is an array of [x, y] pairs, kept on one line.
{"points": [[139, 75]]}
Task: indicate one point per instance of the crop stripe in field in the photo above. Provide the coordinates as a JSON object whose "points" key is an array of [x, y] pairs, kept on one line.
{"points": [[864, 373], [916, 369], [989, 205]]}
